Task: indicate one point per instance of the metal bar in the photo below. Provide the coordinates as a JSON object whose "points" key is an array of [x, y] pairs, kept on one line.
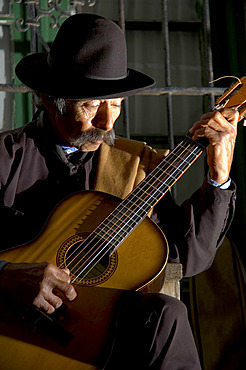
{"points": [[169, 105], [208, 49], [41, 39], [15, 88], [6, 22], [125, 104], [31, 16], [122, 23], [166, 46], [33, 41], [197, 91]]}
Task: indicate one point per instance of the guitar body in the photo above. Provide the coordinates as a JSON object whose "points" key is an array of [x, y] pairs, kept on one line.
{"points": [[138, 262]]}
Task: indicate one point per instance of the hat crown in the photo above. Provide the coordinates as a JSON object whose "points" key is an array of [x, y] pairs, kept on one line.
{"points": [[91, 46], [87, 60]]}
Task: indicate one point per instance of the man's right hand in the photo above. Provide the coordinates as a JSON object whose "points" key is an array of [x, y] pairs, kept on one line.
{"points": [[41, 284]]}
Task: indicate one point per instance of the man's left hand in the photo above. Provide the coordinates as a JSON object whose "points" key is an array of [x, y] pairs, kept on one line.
{"points": [[220, 128]]}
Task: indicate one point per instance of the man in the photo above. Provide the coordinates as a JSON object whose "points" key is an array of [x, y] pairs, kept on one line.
{"points": [[70, 147]]}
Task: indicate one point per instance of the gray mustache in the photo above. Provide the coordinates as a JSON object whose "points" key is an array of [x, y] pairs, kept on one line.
{"points": [[92, 136]]}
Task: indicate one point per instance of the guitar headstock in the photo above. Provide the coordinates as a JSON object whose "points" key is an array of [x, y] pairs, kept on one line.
{"points": [[234, 97]]}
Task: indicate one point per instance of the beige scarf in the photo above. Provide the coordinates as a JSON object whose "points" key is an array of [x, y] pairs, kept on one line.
{"points": [[125, 165]]}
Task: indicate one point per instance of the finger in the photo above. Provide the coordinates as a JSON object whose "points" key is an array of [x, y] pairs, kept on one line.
{"points": [[198, 133], [53, 300], [202, 125], [214, 136], [67, 289], [41, 303], [56, 279], [231, 115], [62, 274], [223, 119], [197, 125], [208, 132], [63, 283], [212, 127], [223, 116]]}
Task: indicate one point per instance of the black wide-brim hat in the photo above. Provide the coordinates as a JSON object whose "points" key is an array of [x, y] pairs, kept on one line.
{"points": [[87, 60]]}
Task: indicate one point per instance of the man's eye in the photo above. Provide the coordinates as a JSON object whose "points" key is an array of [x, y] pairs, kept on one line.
{"points": [[117, 105], [91, 106]]}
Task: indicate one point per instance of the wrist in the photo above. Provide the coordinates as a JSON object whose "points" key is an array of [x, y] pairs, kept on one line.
{"points": [[219, 178], [224, 185]]}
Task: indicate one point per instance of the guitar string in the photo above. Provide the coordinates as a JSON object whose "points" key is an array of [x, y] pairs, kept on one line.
{"points": [[178, 158], [162, 173], [155, 180]]}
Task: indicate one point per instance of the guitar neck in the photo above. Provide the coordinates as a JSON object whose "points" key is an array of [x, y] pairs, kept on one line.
{"points": [[135, 207]]}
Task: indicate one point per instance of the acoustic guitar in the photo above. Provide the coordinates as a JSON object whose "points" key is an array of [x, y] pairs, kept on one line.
{"points": [[102, 240]]}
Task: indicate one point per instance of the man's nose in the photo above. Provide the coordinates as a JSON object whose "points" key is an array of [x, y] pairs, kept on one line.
{"points": [[104, 118]]}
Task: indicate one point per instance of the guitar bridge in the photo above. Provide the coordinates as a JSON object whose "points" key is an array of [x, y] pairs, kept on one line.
{"points": [[48, 325]]}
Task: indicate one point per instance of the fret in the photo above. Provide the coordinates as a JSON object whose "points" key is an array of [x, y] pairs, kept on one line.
{"points": [[157, 179], [188, 143], [137, 197], [179, 158], [121, 211], [129, 208], [193, 149], [133, 206], [177, 161], [170, 175], [188, 154], [115, 225], [188, 147], [107, 232], [113, 235], [173, 166], [143, 195], [131, 203], [157, 192], [155, 186], [169, 182]]}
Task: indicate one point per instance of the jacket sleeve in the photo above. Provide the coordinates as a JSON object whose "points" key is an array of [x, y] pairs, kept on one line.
{"points": [[196, 229], [21, 166], [19, 156]]}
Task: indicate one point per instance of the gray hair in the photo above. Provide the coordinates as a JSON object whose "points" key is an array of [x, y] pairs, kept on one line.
{"points": [[60, 103]]}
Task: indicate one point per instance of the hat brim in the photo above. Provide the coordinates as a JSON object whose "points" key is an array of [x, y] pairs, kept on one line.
{"points": [[34, 72]]}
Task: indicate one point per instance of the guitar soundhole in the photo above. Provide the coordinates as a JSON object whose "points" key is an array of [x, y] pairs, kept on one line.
{"points": [[83, 265]]}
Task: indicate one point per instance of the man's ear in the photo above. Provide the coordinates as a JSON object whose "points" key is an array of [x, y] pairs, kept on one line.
{"points": [[48, 102]]}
